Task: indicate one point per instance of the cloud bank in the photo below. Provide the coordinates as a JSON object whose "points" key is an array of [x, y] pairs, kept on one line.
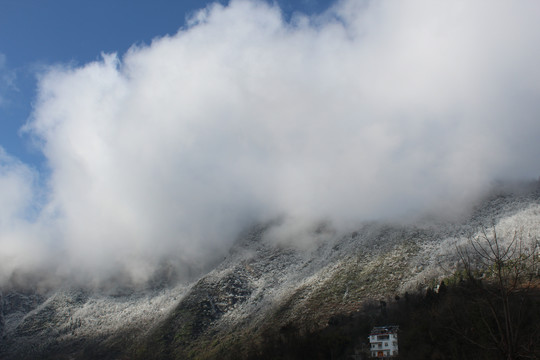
{"points": [[371, 110]]}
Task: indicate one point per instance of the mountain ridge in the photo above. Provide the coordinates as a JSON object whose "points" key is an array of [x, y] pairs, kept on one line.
{"points": [[261, 287]]}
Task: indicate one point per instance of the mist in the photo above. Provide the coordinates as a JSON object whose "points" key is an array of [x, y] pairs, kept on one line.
{"points": [[370, 111]]}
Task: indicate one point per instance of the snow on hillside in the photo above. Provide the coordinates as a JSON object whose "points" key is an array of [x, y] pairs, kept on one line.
{"points": [[261, 284]]}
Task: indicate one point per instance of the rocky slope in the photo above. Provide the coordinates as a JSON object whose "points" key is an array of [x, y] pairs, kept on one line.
{"points": [[262, 286]]}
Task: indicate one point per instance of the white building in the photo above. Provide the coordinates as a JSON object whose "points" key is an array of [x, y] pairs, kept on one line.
{"points": [[384, 341]]}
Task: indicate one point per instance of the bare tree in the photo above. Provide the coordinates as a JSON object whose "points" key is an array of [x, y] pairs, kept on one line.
{"points": [[503, 271]]}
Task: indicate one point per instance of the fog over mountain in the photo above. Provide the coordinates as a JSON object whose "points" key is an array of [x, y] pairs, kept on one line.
{"points": [[372, 110]]}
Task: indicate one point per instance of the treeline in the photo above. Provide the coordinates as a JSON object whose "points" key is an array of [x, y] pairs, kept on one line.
{"points": [[454, 323]]}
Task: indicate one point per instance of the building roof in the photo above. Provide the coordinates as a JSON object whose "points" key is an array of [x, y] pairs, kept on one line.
{"points": [[388, 329]]}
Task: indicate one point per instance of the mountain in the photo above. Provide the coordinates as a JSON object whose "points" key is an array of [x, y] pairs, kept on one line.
{"points": [[263, 291]]}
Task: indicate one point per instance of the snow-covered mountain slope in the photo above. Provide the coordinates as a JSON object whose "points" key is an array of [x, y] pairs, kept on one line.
{"points": [[70, 318], [261, 285]]}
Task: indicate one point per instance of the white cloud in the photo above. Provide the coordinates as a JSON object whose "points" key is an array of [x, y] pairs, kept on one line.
{"points": [[375, 109], [23, 243]]}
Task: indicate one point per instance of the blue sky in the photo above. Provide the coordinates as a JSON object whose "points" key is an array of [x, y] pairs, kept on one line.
{"points": [[35, 34]]}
